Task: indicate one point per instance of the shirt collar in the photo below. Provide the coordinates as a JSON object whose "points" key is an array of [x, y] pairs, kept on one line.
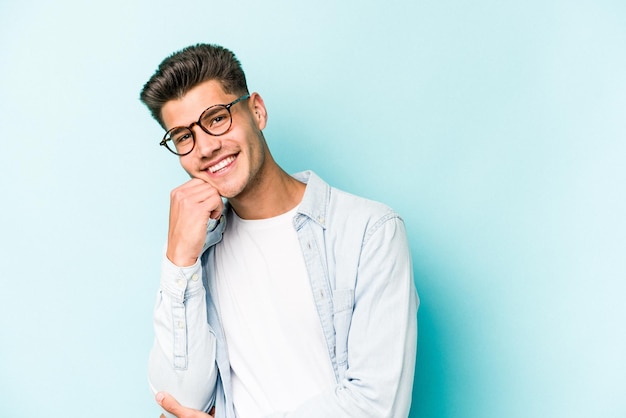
{"points": [[314, 204]]}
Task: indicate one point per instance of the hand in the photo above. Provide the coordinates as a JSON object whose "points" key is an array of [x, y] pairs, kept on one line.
{"points": [[172, 406], [191, 206]]}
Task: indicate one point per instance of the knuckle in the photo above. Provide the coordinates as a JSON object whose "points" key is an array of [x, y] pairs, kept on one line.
{"points": [[175, 194]]}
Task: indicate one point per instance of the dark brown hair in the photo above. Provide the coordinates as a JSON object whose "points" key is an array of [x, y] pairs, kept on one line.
{"points": [[185, 69]]}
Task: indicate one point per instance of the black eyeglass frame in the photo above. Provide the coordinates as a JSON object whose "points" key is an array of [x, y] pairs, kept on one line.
{"points": [[165, 139]]}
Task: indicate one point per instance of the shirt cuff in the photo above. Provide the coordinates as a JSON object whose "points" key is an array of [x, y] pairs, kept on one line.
{"points": [[181, 282]]}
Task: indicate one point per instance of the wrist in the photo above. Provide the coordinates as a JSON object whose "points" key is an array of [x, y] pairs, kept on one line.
{"points": [[180, 260]]}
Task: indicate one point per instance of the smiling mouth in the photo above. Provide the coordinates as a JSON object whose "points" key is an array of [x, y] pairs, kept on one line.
{"points": [[223, 163]]}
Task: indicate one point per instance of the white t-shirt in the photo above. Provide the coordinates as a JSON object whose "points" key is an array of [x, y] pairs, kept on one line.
{"points": [[278, 354]]}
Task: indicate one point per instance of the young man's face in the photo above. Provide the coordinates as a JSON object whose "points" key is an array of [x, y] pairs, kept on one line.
{"points": [[229, 162]]}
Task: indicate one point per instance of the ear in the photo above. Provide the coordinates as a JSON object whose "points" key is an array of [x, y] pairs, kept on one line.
{"points": [[259, 112]]}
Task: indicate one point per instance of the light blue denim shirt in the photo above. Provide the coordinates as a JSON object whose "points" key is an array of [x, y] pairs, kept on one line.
{"points": [[359, 265]]}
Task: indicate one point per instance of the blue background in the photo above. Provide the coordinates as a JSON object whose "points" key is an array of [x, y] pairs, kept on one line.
{"points": [[497, 129]]}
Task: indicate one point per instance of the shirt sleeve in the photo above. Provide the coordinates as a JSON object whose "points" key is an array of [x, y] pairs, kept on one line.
{"points": [[182, 359], [382, 338]]}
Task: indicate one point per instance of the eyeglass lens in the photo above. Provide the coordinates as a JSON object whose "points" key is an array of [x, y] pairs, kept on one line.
{"points": [[215, 120]]}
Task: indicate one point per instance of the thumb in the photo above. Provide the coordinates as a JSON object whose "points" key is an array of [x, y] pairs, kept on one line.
{"points": [[170, 404]]}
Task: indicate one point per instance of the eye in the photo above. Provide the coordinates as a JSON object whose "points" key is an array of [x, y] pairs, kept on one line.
{"points": [[215, 117], [180, 136], [218, 119], [179, 139]]}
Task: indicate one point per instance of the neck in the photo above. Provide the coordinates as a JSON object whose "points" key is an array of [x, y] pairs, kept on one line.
{"points": [[272, 193]]}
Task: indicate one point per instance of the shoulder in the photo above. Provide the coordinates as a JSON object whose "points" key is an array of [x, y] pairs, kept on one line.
{"points": [[347, 211], [340, 208], [356, 205]]}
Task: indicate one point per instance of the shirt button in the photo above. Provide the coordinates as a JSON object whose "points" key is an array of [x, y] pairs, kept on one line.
{"points": [[180, 283], [180, 324], [194, 277]]}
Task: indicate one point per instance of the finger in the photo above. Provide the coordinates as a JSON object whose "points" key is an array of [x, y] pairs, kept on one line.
{"points": [[194, 181], [216, 212], [170, 404], [194, 193], [189, 197], [203, 199], [209, 200]]}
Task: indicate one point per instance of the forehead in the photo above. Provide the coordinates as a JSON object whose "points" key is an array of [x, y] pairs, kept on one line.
{"points": [[187, 109]]}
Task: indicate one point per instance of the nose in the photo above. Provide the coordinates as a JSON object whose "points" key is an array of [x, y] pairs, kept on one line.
{"points": [[206, 144]]}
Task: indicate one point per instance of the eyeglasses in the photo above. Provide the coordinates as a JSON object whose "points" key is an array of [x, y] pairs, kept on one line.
{"points": [[215, 121]]}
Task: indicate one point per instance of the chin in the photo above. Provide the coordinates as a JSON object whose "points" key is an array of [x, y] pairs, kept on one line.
{"points": [[229, 191]]}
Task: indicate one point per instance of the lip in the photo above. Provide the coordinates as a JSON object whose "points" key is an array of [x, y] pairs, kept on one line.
{"points": [[221, 165]]}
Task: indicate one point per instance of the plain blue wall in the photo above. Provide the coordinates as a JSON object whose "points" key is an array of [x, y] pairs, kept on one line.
{"points": [[497, 129]]}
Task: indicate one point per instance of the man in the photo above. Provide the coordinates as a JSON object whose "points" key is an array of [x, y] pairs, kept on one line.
{"points": [[292, 298]]}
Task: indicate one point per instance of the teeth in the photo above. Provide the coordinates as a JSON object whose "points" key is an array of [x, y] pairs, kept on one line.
{"points": [[221, 164]]}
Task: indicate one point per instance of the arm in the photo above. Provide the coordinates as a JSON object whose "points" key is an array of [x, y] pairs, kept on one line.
{"points": [[382, 339], [182, 360]]}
